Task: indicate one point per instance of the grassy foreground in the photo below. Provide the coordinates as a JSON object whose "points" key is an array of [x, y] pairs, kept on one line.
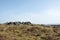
{"points": [[28, 32]]}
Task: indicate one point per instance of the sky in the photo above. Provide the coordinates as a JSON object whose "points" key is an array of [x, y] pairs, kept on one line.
{"points": [[35, 11]]}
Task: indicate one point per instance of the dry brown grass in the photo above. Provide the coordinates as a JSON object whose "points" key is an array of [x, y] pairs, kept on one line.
{"points": [[28, 32]]}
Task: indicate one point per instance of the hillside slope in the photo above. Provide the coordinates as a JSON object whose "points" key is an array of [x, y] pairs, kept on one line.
{"points": [[28, 32]]}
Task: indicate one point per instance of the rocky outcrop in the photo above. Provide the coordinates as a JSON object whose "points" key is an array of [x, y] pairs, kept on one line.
{"points": [[18, 23]]}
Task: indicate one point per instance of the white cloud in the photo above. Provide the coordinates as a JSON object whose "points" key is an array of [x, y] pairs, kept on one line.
{"points": [[50, 16]]}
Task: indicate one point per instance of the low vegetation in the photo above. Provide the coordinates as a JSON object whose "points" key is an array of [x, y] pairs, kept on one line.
{"points": [[28, 31]]}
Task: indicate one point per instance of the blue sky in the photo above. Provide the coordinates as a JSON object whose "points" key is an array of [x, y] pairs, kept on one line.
{"points": [[36, 11]]}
